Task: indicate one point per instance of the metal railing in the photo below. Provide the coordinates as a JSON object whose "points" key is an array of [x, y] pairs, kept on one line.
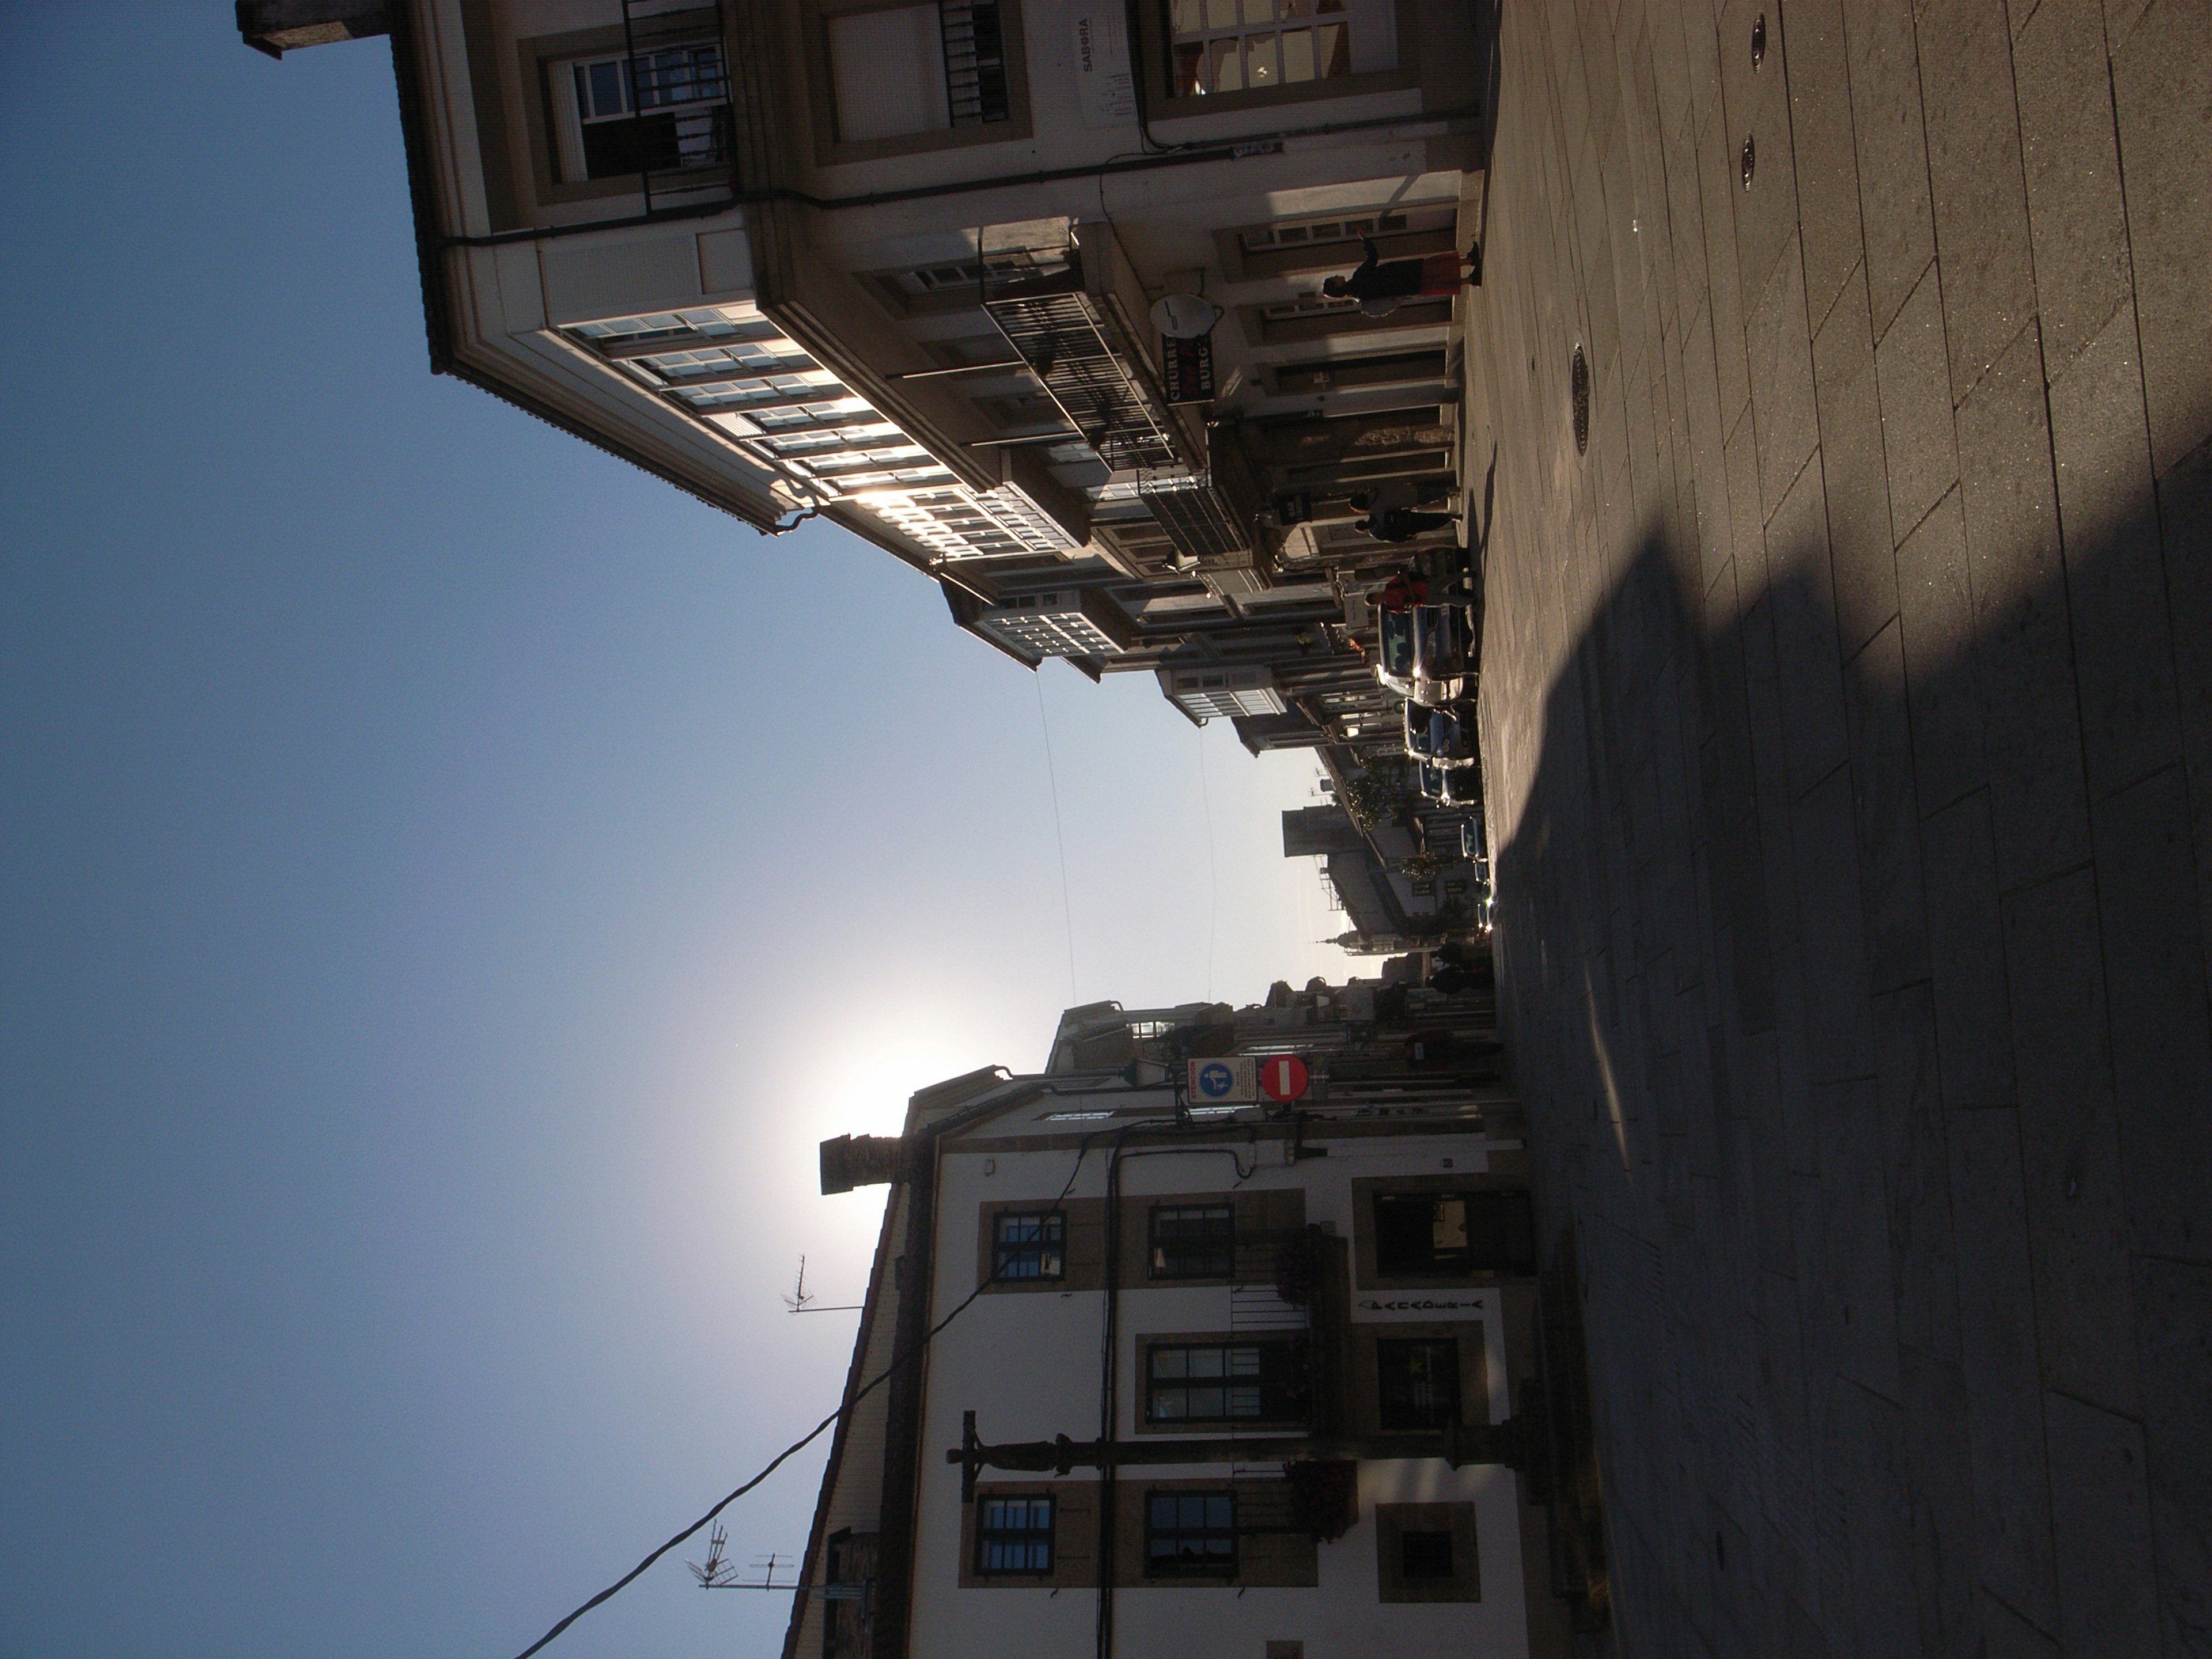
{"points": [[678, 91], [974, 62]]}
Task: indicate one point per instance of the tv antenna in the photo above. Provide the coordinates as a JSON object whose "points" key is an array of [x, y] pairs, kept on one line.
{"points": [[718, 1571], [801, 1299]]}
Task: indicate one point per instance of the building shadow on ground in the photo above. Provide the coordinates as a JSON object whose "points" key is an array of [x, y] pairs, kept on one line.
{"points": [[1855, 979]]}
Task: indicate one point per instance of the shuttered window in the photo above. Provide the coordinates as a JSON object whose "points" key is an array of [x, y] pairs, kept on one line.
{"points": [[888, 70]]}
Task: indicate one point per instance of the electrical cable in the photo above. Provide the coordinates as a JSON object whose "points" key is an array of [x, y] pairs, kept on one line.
{"points": [[898, 1361]]}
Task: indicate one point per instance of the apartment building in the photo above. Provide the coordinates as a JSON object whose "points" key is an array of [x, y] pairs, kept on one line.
{"points": [[1274, 1381], [1024, 292]]}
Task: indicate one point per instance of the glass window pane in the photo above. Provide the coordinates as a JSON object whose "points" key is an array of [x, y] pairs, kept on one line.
{"points": [[1290, 8], [1261, 68], [1298, 55], [1190, 16], [1243, 1362], [1206, 1402], [1332, 48], [1220, 1511], [1244, 1402], [1204, 1362], [1164, 1509], [1450, 1224], [1259, 11], [1190, 69], [606, 89], [1225, 71], [1221, 14]]}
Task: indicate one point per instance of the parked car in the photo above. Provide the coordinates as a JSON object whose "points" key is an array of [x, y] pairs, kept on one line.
{"points": [[1436, 737], [1425, 654], [1443, 650], [1463, 787]]}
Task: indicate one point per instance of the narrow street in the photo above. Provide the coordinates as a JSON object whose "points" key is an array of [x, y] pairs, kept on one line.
{"points": [[1847, 714]]}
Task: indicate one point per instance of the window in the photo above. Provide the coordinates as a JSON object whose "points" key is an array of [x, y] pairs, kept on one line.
{"points": [[1344, 233], [1013, 1534], [903, 71], [1029, 1244], [1418, 1383], [1190, 1531], [665, 109], [1448, 1235], [1196, 1241], [1225, 1383], [1425, 1554], [1255, 46]]}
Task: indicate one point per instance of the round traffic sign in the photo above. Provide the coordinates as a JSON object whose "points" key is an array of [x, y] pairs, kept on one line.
{"points": [[1282, 1077], [1216, 1081]]}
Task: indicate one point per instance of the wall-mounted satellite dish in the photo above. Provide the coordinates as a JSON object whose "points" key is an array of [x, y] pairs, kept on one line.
{"points": [[1185, 316]]}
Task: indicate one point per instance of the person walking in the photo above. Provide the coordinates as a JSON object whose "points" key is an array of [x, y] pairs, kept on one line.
{"points": [[1383, 285], [1397, 523]]}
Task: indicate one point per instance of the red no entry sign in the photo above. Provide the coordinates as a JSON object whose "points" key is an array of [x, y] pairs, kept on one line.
{"points": [[1282, 1077]]}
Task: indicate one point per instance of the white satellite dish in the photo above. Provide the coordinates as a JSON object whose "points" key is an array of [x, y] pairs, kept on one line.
{"points": [[1185, 316]]}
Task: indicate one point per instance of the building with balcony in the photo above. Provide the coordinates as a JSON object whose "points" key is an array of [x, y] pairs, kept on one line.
{"points": [[895, 266], [1268, 1380]]}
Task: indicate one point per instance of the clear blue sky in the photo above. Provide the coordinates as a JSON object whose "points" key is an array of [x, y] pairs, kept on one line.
{"points": [[441, 906]]}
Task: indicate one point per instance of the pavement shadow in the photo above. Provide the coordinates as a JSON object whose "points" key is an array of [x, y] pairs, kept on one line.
{"points": [[1855, 975]]}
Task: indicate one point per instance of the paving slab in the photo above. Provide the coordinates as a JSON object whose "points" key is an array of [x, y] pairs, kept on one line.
{"points": [[1847, 712]]}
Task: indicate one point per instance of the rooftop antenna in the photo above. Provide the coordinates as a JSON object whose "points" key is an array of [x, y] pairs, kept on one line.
{"points": [[800, 1299], [717, 1571]]}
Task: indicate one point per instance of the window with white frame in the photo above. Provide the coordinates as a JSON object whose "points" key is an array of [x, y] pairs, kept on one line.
{"points": [[1322, 233], [666, 110], [1260, 46]]}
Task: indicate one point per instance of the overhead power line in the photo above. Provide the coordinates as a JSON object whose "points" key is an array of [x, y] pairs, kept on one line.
{"points": [[899, 1362]]}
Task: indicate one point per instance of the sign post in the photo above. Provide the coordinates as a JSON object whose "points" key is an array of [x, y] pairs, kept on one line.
{"points": [[1230, 1080], [1283, 1078]]}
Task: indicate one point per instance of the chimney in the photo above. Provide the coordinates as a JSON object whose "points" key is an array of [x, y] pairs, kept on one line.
{"points": [[851, 1161]]}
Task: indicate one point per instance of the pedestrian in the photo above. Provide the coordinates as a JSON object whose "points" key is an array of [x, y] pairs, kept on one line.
{"points": [[1403, 592], [1401, 524], [1383, 285]]}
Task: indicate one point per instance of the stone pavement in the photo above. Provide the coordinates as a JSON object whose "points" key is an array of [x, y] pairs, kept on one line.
{"points": [[1848, 722]]}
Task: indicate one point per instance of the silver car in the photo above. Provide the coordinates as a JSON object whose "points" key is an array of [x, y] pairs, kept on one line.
{"points": [[1426, 654]]}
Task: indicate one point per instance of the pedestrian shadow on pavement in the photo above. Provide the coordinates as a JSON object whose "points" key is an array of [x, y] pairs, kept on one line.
{"points": [[1855, 973]]}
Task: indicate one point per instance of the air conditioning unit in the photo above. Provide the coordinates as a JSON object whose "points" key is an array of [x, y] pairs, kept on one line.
{"points": [[1205, 693]]}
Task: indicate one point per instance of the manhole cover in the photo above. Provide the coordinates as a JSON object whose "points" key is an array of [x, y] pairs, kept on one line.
{"points": [[1579, 376]]}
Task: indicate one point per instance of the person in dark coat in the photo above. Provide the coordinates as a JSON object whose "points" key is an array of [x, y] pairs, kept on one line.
{"points": [[1399, 524], [1383, 285]]}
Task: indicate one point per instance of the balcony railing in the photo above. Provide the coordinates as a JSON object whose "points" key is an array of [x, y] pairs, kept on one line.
{"points": [[975, 61], [680, 129]]}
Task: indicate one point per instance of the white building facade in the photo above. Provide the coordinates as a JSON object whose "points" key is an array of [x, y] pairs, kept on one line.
{"points": [[1289, 1354], [895, 264]]}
